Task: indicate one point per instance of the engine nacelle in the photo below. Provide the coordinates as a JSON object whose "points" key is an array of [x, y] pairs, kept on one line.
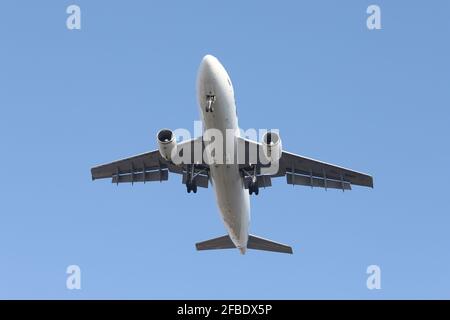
{"points": [[272, 147], [167, 144]]}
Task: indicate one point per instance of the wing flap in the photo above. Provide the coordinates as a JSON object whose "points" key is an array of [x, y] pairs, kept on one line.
{"points": [[159, 175], [296, 179]]}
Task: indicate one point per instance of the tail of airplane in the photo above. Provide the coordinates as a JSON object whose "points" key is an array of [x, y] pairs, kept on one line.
{"points": [[254, 242]]}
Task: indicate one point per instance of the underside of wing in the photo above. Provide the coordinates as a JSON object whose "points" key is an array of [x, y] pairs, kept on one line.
{"points": [[306, 171], [300, 170], [144, 167], [151, 166]]}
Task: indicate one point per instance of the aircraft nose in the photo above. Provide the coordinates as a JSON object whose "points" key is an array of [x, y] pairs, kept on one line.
{"points": [[208, 65], [208, 79], [208, 60]]}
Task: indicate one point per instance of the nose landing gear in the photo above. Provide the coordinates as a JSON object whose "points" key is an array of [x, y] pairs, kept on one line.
{"points": [[210, 99]]}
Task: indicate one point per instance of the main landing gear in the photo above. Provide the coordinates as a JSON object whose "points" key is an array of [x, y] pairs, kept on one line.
{"points": [[191, 174], [253, 187], [191, 186]]}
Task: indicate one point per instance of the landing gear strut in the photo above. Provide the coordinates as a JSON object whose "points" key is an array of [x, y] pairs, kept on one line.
{"points": [[209, 102], [253, 185], [191, 174], [190, 182]]}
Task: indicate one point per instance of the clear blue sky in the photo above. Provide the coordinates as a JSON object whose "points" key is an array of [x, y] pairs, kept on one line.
{"points": [[374, 101]]}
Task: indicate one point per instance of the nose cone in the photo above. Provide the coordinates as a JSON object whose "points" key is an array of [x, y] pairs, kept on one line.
{"points": [[209, 67], [209, 61]]}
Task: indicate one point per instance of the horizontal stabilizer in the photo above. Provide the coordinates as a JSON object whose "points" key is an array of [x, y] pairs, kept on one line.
{"points": [[254, 242], [217, 243], [257, 243]]}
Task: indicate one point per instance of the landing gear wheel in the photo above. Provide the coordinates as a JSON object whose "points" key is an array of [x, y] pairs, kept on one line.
{"points": [[191, 187], [253, 189]]}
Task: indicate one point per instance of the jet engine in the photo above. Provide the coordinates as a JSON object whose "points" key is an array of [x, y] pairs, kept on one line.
{"points": [[167, 144], [271, 146]]}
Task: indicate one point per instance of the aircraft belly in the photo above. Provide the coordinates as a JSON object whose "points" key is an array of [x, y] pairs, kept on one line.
{"points": [[233, 202], [232, 198]]}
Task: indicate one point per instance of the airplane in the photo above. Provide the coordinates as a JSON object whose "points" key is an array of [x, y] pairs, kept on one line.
{"points": [[233, 181]]}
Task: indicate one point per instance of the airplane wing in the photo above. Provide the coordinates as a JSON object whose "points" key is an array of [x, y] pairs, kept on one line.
{"points": [[151, 166], [300, 170]]}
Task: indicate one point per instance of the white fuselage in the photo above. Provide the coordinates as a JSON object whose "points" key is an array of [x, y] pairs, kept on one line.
{"points": [[232, 198]]}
